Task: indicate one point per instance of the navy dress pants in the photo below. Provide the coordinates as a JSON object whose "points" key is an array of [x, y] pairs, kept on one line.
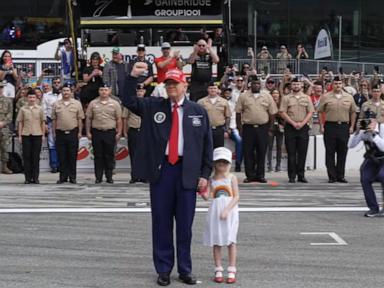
{"points": [[170, 203]]}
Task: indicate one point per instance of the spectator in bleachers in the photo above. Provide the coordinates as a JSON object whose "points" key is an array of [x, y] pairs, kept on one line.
{"points": [[147, 77], [233, 132], [168, 60], [65, 54], [301, 53], [93, 76], [264, 57], [284, 58], [277, 132], [315, 98], [115, 71], [49, 98], [8, 73], [201, 59]]}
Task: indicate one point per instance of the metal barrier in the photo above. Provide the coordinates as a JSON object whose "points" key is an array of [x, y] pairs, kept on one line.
{"points": [[35, 67], [310, 67]]}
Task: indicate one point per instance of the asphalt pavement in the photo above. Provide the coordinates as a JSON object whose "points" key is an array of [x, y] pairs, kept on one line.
{"points": [[110, 246]]}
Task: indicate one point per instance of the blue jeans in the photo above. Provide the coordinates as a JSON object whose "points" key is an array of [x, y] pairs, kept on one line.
{"points": [[235, 137], [53, 159]]}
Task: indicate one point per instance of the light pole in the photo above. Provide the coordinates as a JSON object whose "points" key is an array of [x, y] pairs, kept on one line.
{"points": [[340, 34], [255, 30]]}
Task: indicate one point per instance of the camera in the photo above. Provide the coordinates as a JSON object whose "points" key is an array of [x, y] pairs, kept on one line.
{"points": [[61, 44], [364, 122]]}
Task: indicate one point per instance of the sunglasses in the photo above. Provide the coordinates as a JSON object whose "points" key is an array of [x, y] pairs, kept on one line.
{"points": [[239, 80], [201, 45]]}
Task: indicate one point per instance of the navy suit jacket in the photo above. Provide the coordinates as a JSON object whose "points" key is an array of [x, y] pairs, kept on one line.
{"points": [[154, 135]]}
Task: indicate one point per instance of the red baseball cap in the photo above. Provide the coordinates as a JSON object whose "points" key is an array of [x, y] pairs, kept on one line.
{"points": [[175, 75]]}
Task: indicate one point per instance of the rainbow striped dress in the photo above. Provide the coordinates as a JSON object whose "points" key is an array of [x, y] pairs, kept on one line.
{"points": [[217, 231]]}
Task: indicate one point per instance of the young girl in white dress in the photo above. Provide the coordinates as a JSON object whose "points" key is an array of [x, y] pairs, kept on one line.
{"points": [[223, 215]]}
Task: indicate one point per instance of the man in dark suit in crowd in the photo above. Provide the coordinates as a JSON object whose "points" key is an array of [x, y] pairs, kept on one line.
{"points": [[175, 156]]}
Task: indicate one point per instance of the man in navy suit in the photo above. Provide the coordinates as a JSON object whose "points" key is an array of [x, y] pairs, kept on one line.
{"points": [[175, 155]]}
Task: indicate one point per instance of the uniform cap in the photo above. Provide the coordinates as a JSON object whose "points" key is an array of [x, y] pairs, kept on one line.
{"points": [[176, 75], [222, 153]]}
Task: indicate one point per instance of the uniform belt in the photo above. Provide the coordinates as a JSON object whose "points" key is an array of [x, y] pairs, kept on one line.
{"points": [[136, 129], [217, 127], [104, 130], [256, 125], [67, 131], [336, 122]]}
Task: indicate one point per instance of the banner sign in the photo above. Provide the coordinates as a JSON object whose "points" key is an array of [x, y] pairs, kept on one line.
{"points": [[178, 8], [158, 8], [323, 47]]}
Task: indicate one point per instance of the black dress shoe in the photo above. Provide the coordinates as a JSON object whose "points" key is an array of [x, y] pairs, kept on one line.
{"points": [[292, 180], [331, 181], [110, 181], [54, 170], [60, 181], [189, 279], [238, 169], [36, 181], [27, 182], [261, 180], [342, 180], [302, 180], [163, 279], [249, 180], [73, 181], [98, 181], [132, 181]]}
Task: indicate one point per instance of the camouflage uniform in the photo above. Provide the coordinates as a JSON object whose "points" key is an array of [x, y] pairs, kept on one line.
{"points": [[5, 133]]}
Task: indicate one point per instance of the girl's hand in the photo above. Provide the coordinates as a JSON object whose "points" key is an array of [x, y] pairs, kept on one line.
{"points": [[224, 214]]}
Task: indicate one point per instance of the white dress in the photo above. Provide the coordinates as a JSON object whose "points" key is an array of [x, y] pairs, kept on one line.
{"points": [[221, 232]]}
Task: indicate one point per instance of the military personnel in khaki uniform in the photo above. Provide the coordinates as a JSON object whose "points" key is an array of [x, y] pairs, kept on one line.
{"points": [[104, 127], [131, 128], [255, 111], [31, 128], [219, 114], [373, 106], [340, 116], [67, 116], [296, 109], [5, 135]]}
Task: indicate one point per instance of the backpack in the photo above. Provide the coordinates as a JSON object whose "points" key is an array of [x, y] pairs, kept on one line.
{"points": [[15, 164]]}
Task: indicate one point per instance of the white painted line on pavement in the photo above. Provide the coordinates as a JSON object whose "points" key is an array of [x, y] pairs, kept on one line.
{"points": [[147, 210], [339, 241]]}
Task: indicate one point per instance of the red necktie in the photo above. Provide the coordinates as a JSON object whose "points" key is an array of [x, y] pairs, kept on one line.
{"points": [[173, 153]]}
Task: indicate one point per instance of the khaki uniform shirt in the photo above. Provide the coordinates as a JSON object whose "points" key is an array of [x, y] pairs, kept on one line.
{"points": [[5, 111], [218, 112], [255, 110], [32, 118], [337, 109], [133, 121], [297, 107], [104, 115], [67, 116], [377, 109]]}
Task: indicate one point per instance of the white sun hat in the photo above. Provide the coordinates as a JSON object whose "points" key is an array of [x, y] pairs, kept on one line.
{"points": [[222, 153]]}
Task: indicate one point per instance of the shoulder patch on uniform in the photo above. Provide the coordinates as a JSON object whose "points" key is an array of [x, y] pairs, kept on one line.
{"points": [[159, 117]]}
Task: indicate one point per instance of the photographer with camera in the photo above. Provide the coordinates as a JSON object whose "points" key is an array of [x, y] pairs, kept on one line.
{"points": [[65, 54], [372, 169]]}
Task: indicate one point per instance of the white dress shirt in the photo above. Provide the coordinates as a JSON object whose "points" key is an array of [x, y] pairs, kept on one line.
{"points": [[180, 111], [48, 100], [366, 136]]}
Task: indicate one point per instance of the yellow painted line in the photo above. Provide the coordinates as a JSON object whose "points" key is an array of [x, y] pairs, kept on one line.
{"points": [[134, 22]]}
